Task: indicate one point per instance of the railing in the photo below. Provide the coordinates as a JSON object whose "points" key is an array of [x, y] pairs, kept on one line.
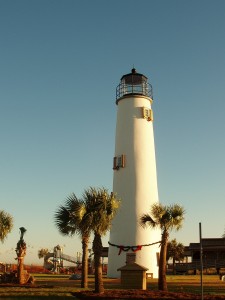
{"points": [[197, 265], [144, 89], [68, 258]]}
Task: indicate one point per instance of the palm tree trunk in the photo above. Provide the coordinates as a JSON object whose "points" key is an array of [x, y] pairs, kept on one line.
{"points": [[162, 284], [173, 266], [84, 277], [97, 249]]}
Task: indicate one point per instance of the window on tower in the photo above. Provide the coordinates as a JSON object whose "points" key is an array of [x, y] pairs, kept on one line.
{"points": [[147, 113], [118, 162]]}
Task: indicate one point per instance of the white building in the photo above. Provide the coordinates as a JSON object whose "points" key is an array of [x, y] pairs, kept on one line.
{"points": [[135, 179]]}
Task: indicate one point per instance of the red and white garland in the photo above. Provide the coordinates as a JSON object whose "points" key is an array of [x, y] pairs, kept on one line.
{"points": [[133, 248]]}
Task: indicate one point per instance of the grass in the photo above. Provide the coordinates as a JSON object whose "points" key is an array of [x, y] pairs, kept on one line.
{"points": [[60, 287], [212, 285]]}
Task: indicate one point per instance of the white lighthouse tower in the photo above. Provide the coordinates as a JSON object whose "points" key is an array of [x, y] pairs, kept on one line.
{"points": [[135, 179]]}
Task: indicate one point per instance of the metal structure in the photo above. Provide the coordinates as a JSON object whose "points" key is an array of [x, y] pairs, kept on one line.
{"points": [[134, 83]]}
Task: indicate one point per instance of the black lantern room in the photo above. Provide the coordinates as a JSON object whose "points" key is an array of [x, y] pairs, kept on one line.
{"points": [[134, 84]]}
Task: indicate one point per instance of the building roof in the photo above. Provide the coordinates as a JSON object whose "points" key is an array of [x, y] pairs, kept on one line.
{"points": [[209, 244], [132, 267]]}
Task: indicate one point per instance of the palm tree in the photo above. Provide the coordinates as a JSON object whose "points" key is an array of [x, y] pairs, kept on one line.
{"points": [[93, 213], [72, 219], [6, 225], [175, 251], [103, 209], [42, 252], [166, 218]]}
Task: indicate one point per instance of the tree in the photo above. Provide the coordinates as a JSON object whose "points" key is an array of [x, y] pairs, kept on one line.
{"points": [[93, 213], [175, 251], [166, 218], [6, 225], [103, 209], [42, 252], [72, 218]]}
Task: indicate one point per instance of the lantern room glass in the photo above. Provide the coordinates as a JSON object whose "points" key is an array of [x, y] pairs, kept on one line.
{"points": [[134, 83]]}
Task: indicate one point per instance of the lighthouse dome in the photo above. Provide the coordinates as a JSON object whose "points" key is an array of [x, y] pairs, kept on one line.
{"points": [[134, 83]]}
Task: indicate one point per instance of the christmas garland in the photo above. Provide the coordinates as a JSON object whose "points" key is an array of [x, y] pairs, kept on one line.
{"points": [[133, 248]]}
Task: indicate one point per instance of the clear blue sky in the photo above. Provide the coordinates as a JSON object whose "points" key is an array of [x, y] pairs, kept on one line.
{"points": [[60, 63]]}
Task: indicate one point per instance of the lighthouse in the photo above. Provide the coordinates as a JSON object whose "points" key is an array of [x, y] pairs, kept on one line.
{"points": [[135, 178]]}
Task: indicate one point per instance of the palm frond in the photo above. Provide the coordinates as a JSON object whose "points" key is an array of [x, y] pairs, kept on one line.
{"points": [[163, 216], [177, 216], [6, 224], [146, 220]]}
